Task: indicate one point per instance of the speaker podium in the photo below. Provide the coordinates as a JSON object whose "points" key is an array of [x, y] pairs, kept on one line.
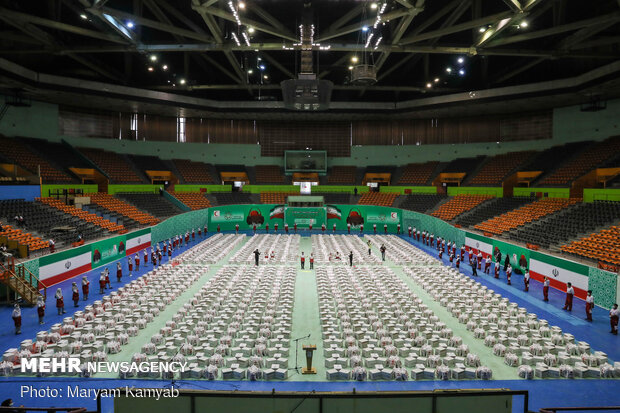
{"points": [[309, 353]]}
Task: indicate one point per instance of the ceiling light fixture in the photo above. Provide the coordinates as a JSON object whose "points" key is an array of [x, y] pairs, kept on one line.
{"points": [[83, 16], [182, 81], [523, 24], [165, 67], [241, 5], [482, 29], [449, 69], [429, 85], [150, 69], [129, 24], [460, 60], [354, 59], [153, 58]]}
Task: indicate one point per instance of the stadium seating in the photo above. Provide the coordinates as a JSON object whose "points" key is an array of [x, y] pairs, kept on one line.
{"points": [[24, 238], [343, 175], [269, 197], [497, 168], [561, 227], [491, 209], [464, 164], [378, 198], [17, 152], [193, 172], [422, 202], [154, 204], [86, 216], [49, 222], [590, 158], [418, 173], [194, 200], [269, 174], [334, 197], [525, 214], [148, 163], [230, 198], [458, 205], [549, 159], [114, 204], [602, 246], [114, 166], [58, 153]]}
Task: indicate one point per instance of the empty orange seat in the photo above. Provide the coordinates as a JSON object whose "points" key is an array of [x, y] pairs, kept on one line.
{"points": [[458, 205]]}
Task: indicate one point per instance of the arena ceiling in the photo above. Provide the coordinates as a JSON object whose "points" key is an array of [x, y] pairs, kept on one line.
{"points": [[240, 50]]}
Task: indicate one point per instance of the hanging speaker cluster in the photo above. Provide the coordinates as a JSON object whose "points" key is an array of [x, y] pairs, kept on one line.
{"points": [[364, 75]]}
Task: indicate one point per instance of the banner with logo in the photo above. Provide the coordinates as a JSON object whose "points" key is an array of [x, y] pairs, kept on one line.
{"points": [[106, 251], [137, 241], [61, 266], [559, 272], [277, 212], [219, 215], [383, 217], [333, 212]]}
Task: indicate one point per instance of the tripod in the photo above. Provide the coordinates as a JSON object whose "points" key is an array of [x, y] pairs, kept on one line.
{"points": [[297, 366]]}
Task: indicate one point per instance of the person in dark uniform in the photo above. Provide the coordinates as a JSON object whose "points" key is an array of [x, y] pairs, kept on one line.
{"points": [[351, 258], [256, 255], [474, 266], [382, 251], [506, 261]]}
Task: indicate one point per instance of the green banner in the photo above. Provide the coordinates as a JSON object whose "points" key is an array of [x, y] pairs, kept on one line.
{"points": [[108, 250]]}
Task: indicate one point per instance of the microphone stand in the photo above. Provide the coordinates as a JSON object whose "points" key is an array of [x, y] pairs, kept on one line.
{"points": [[296, 340]]}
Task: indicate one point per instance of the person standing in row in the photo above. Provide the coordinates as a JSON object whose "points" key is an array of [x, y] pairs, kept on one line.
{"points": [[303, 260], [145, 257], [334, 228], [60, 301], [256, 256], [286, 227], [236, 228], [40, 309], [275, 227], [323, 228], [385, 228], [458, 261], [130, 263], [398, 229], [267, 228], [546, 289], [75, 294], [497, 269], [218, 228], [351, 259], [374, 228], [101, 282], [409, 229], [613, 319], [487, 265], [526, 280], [474, 270], [361, 228], [382, 249], [85, 287], [137, 261], [311, 261], [369, 248], [509, 274], [108, 284], [17, 318], [295, 227], [119, 272], [589, 305], [570, 292]]}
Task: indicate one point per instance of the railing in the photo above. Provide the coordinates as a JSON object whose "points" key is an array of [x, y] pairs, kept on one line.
{"points": [[324, 398], [22, 287], [581, 409], [21, 271]]}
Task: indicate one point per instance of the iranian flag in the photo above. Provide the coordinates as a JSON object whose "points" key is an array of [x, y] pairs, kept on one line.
{"points": [[333, 212], [277, 212]]}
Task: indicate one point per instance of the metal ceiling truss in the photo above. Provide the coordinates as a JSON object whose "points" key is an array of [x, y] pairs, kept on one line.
{"points": [[410, 38]]}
